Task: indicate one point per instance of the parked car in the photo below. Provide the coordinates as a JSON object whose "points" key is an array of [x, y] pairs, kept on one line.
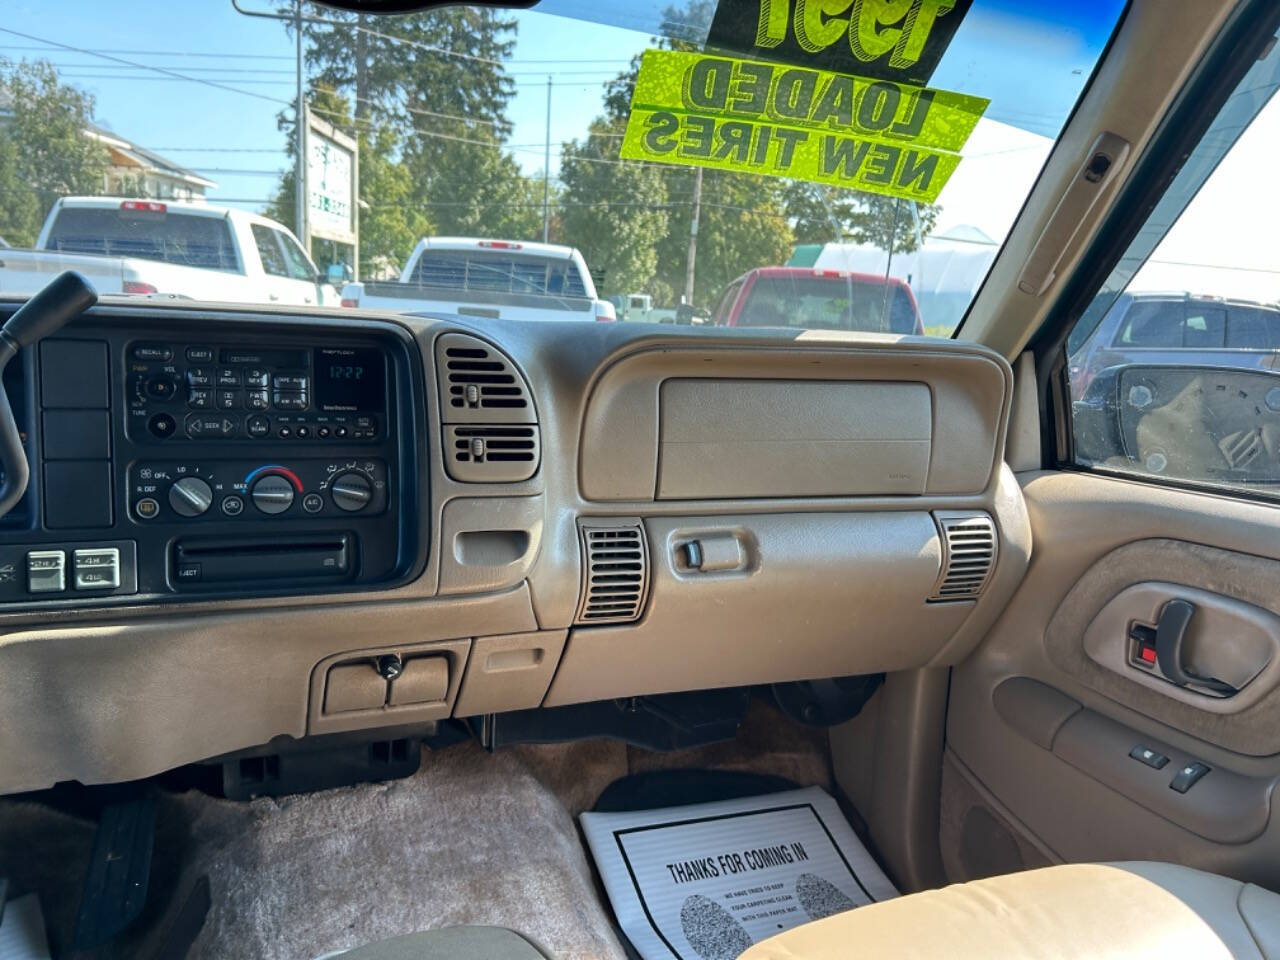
{"points": [[1178, 329], [477, 277], [817, 299], [195, 250]]}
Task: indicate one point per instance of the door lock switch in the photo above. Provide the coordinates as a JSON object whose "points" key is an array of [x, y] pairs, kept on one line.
{"points": [[1148, 756], [1188, 776]]}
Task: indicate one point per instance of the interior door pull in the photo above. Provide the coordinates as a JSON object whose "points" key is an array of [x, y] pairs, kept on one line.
{"points": [[1171, 632]]}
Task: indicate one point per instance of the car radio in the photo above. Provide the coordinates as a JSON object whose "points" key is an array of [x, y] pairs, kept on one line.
{"points": [[195, 391]]}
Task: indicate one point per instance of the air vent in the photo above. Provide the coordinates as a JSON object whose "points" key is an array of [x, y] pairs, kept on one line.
{"points": [[491, 454], [478, 384], [615, 571], [1242, 447], [969, 554]]}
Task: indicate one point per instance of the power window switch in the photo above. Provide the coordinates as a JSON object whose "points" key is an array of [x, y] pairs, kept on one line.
{"points": [[1148, 756], [1188, 776], [46, 571], [97, 568]]}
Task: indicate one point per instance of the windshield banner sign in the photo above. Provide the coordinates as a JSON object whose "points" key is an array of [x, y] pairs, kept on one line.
{"points": [[887, 39], [879, 136]]}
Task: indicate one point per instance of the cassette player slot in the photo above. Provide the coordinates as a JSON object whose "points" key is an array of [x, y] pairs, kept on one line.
{"points": [[221, 560]]}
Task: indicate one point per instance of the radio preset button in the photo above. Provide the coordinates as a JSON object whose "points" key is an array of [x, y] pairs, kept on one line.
{"points": [[256, 377], [228, 377], [272, 494], [199, 377], [200, 398], [229, 400], [256, 400]]}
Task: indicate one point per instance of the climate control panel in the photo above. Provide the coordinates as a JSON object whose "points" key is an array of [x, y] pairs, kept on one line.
{"points": [[192, 490]]}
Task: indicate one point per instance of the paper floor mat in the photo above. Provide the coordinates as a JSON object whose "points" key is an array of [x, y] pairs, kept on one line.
{"points": [[706, 881]]}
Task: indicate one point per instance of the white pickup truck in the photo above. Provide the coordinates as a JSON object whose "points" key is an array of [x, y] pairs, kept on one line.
{"points": [[473, 277], [186, 249]]}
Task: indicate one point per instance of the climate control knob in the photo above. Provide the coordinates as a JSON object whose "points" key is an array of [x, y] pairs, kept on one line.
{"points": [[190, 497], [272, 494], [352, 492]]}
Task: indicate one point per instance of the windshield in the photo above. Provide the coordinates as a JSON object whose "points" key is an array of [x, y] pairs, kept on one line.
{"points": [[633, 161]]}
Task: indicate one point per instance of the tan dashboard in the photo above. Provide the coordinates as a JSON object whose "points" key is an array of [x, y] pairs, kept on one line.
{"points": [[642, 510]]}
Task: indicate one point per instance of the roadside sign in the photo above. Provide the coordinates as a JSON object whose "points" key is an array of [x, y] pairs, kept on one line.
{"points": [[333, 178]]}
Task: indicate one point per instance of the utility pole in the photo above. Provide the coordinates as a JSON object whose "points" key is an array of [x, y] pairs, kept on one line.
{"points": [[693, 235], [300, 167], [546, 172]]}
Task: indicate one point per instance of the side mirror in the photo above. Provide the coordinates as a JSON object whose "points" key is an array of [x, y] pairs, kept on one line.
{"points": [[337, 273], [689, 315], [1194, 423]]}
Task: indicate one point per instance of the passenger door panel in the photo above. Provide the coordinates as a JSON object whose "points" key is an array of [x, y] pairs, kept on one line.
{"points": [[1044, 716]]}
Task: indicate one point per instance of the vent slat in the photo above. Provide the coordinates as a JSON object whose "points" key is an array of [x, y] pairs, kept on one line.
{"points": [[614, 562], [969, 555]]}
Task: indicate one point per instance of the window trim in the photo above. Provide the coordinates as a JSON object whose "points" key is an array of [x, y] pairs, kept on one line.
{"points": [[1247, 34]]}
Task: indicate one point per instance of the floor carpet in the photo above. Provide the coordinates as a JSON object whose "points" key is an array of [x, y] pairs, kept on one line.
{"points": [[471, 838]]}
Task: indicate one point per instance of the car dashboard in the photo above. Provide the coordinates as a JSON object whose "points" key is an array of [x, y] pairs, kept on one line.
{"points": [[249, 525]]}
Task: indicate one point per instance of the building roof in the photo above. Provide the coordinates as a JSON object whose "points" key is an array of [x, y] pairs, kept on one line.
{"points": [[147, 160]]}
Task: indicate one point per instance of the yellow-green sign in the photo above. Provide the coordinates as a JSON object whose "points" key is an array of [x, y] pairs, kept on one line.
{"points": [[753, 117]]}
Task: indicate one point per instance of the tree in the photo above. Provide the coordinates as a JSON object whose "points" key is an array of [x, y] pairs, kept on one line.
{"points": [[437, 79], [614, 211], [742, 221], [44, 151], [821, 214]]}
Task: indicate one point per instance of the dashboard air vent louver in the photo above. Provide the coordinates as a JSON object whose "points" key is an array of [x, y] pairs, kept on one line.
{"points": [[615, 564], [491, 454], [969, 555], [478, 384], [490, 427]]}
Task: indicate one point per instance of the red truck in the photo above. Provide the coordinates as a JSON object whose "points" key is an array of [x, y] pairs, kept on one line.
{"points": [[816, 299]]}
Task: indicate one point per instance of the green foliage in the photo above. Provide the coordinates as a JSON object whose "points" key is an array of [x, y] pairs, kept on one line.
{"points": [[44, 152], [823, 214], [615, 213]]}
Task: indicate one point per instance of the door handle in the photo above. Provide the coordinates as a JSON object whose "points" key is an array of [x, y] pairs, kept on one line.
{"points": [[1171, 633]]}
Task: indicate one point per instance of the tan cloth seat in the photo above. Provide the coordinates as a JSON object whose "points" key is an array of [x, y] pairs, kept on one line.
{"points": [[449, 943], [1099, 911]]}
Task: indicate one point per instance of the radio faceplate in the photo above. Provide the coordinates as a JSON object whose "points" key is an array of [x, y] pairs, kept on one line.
{"points": [[209, 392], [328, 493]]}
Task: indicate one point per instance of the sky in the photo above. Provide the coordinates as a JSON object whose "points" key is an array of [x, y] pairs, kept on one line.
{"points": [[1031, 57]]}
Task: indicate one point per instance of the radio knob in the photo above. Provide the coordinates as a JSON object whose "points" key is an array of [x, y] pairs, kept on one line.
{"points": [[352, 492], [190, 496], [272, 494]]}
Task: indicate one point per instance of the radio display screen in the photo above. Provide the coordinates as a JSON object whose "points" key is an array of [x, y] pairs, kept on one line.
{"points": [[350, 379]]}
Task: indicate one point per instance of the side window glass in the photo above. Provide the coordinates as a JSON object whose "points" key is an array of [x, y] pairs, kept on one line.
{"points": [[296, 262], [269, 251], [1174, 368]]}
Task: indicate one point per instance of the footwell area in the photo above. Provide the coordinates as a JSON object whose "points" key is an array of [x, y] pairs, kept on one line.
{"points": [[472, 838]]}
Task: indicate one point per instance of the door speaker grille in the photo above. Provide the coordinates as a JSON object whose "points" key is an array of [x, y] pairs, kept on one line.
{"points": [[615, 564], [969, 554]]}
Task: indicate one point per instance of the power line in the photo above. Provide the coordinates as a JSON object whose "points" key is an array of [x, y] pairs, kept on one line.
{"points": [[143, 66]]}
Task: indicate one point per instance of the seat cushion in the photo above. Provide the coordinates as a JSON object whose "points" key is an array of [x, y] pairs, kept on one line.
{"points": [[1099, 911], [450, 943]]}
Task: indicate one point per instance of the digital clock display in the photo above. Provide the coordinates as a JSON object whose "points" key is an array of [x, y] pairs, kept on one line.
{"points": [[350, 379]]}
